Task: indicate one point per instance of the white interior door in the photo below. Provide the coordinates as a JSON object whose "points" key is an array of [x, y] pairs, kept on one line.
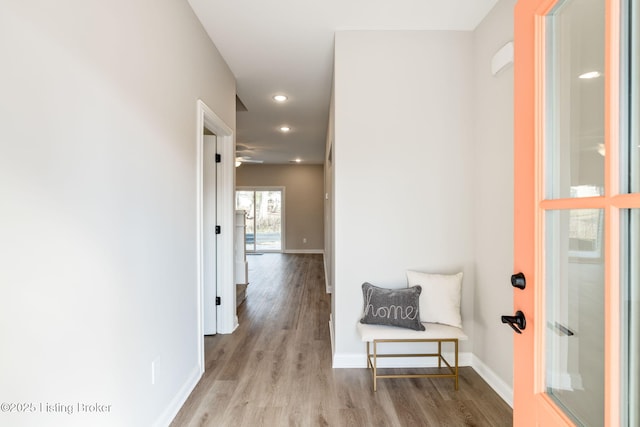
{"points": [[209, 214]]}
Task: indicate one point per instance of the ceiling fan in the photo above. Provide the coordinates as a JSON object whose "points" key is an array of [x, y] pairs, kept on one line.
{"points": [[242, 151], [245, 159]]}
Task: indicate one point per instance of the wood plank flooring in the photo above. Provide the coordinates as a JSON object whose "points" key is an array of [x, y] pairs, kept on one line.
{"points": [[275, 369]]}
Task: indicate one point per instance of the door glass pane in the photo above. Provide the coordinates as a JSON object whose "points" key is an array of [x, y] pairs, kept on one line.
{"points": [[574, 308], [630, 233], [574, 97], [268, 220], [634, 108], [631, 320], [245, 202]]}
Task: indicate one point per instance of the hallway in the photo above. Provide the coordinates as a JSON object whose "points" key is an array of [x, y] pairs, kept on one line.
{"points": [[275, 369]]}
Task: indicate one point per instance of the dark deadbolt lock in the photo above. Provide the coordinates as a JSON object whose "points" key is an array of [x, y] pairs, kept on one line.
{"points": [[518, 281], [518, 322]]}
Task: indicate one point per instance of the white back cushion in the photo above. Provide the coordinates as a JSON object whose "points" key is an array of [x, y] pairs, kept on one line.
{"points": [[440, 297]]}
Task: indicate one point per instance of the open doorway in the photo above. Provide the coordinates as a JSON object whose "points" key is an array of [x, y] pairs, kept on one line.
{"points": [[223, 201]]}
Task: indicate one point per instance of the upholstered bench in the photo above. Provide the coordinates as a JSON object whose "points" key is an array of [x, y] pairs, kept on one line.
{"points": [[433, 333]]}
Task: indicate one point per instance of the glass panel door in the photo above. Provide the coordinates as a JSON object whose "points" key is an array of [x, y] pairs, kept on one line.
{"points": [[577, 226], [245, 202], [268, 220], [264, 218]]}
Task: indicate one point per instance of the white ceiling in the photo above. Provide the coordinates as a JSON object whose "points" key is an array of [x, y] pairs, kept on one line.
{"points": [[286, 47]]}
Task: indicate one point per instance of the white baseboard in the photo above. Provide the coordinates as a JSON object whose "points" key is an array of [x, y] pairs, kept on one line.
{"points": [[328, 287], [179, 399], [504, 390], [341, 361], [331, 333], [303, 251]]}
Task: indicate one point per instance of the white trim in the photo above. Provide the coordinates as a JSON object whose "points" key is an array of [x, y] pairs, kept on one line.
{"points": [[504, 390], [328, 288], [303, 251], [199, 240], [348, 361], [172, 409], [502, 58], [331, 334], [227, 320]]}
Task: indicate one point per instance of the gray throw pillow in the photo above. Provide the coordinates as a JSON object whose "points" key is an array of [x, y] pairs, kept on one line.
{"points": [[392, 307]]}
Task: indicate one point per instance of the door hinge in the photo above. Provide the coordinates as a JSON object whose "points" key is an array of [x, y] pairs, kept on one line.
{"points": [[218, 301], [218, 229], [218, 158]]}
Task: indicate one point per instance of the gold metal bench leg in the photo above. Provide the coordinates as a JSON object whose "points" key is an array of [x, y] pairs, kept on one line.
{"points": [[456, 351], [375, 366], [368, 356]]}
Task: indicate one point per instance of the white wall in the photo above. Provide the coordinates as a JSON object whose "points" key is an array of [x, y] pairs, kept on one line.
{"points": [[493, 174], [423, 157], [403, 168], [328, 201], [98, 205]]}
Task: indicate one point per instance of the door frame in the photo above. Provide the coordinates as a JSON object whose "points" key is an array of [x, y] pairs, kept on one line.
{"points": [[227, 321]]}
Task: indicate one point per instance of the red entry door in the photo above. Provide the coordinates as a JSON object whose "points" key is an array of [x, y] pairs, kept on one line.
{"points": [[577, 199]]}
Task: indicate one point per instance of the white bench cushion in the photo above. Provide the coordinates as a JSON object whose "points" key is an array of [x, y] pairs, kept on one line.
{"points": [[368, 333]]}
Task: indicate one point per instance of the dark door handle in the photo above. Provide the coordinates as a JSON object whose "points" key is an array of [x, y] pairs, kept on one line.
{"points": [[518, 322], [518, 281]]}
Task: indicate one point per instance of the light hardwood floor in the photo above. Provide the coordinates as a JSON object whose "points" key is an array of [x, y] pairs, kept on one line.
{"points": [[275, 369]]}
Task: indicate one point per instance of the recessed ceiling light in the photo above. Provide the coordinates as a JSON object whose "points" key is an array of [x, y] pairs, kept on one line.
{"points": [[590, 75], [280, 98], [285, 128], [298, 160]]}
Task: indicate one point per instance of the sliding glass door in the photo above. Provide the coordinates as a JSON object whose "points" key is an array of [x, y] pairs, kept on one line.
{"points": [[263, 210]]}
